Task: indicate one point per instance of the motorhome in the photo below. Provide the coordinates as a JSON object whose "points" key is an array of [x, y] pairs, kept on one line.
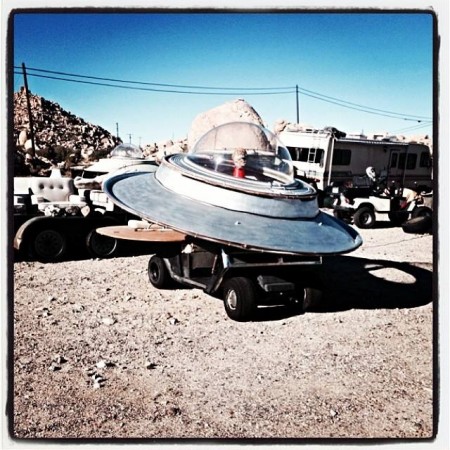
{"points": [[328, 157]]}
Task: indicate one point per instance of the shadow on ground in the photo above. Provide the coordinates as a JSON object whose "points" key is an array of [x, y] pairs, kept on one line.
{"points": [[351, 282], [347, 283], [359, 283]]}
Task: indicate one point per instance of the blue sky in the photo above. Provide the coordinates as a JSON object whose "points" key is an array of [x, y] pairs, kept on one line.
{"points": [[382, 61]]}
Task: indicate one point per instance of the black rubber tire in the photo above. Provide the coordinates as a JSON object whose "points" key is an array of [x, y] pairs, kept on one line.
{"points": [[419, 225], [309, 292], [100, 246], [364, 217], [306, 299], [49, 245], [311, 298], [421, 211], [158, 274], [239, 298]]}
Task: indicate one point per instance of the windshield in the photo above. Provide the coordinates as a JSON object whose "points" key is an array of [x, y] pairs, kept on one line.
{"points": [[244, 150]]}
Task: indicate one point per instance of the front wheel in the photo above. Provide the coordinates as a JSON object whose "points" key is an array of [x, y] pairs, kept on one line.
{"points": [[158, 274], [239, 297], [364, 217], [49, 245]]}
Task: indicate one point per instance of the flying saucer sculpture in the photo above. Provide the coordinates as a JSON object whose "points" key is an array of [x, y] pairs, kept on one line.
{"points": [[123, 155], [235, 187]]}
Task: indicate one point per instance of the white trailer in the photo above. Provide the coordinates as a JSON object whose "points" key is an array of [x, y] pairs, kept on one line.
{"points": [[324, 157]]}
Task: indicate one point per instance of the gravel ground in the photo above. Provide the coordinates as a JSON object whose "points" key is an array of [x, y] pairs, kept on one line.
{"points": [[100, 353]]}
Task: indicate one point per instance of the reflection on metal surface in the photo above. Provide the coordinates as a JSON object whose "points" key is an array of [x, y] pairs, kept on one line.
{"points": [[236, 187]]}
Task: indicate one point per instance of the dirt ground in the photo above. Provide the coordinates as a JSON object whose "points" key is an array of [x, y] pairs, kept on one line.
{"points": [[100, 353]]}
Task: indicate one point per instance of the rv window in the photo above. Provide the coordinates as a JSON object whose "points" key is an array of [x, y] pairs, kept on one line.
{"points": [[293, 151], [425, 159], [342, 157], [394, 158], [310, 155], [303, 154], [410, 162], [319, 156]]}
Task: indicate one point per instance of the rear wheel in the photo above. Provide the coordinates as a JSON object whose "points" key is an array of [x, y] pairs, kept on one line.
{"points": [[421, 211], [49, 245], [311, 298], [309, 292], [418, 225], [100, 246], [158, 274], [364, 217], [239, 296]]}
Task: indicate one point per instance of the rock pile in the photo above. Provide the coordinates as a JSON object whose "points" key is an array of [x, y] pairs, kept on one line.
{"points": [[164, 148], [61, 138]]}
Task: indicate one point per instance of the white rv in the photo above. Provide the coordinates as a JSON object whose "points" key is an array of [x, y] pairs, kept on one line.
{"points": [[325, 157]]}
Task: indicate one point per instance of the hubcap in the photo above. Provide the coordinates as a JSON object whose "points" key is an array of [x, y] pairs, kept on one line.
{"points": [[154, 272], [232, 299], [49, 243], [367, 219], [102, 245]]}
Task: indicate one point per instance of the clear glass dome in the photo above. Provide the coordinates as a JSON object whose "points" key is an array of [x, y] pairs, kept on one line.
{"points": [[127, 151], [244, 150]]}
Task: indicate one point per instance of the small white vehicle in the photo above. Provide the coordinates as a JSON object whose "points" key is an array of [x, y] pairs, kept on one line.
{"points": [[364, 212], [366, 205]]}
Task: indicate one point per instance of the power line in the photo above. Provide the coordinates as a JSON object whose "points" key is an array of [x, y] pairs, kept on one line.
{"points": [[173, 91], [158, 84], [188, 89], [412, 128], [365, 108], [391, 115]]}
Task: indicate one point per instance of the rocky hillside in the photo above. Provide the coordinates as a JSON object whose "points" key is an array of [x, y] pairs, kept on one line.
{"points": [[61, 138]]}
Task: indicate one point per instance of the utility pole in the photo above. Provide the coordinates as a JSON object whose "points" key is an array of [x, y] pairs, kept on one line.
{"points": [[117, 130], [129, 135], [30, 116], [296, 97]]}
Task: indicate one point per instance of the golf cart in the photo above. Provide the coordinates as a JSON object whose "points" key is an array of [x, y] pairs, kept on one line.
{"points": [[243, 279], [367, 200]]}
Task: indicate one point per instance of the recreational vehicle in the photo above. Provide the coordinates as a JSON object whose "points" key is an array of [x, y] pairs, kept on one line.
{"points": [[327, 157]]}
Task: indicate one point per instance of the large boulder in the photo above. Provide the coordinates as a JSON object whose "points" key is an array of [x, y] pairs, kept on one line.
{"points": [[235, 111]]}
